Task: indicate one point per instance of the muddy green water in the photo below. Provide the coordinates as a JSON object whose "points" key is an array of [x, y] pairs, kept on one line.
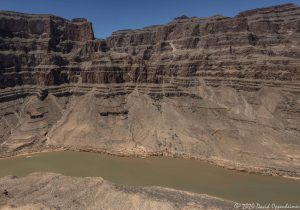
{"points": [[182, 174]]}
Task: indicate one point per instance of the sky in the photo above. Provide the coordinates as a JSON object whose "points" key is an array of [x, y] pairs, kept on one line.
{"points": [[111, 15]]}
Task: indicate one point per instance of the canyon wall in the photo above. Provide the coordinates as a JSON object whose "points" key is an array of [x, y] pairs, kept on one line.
{"points": [[47, 50], [222, 89]]}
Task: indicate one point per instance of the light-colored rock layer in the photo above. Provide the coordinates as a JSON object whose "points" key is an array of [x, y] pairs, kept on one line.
{"points": [[53, 191]]}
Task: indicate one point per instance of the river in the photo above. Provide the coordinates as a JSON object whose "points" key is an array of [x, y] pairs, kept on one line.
{"points": [[182, 174]]}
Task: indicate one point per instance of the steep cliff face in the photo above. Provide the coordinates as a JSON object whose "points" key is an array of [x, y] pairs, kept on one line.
{"points": [[35, 48], [48, 50], [222, 89], [257, 44]]}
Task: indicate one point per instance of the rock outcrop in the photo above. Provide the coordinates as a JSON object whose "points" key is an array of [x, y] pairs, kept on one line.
{"points": [[54, 191], [222, 89]]}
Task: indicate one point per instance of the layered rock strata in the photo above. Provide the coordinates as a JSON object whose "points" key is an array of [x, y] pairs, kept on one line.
{"points": [[222, 89]]}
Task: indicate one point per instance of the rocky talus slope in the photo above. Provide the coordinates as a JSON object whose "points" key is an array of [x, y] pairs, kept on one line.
{"points": [[222, 89], [52, 191]]}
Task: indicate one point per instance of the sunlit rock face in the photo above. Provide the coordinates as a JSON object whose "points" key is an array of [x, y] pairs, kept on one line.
{"points": [[221, 89], [48, 50]]}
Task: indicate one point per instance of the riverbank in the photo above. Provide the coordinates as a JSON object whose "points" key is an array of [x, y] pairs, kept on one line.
{"points": [[49, 190]]}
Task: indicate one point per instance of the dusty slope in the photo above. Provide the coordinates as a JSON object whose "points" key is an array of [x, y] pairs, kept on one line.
{"points": [[53, 191], [220, 125], [216, 127]]}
